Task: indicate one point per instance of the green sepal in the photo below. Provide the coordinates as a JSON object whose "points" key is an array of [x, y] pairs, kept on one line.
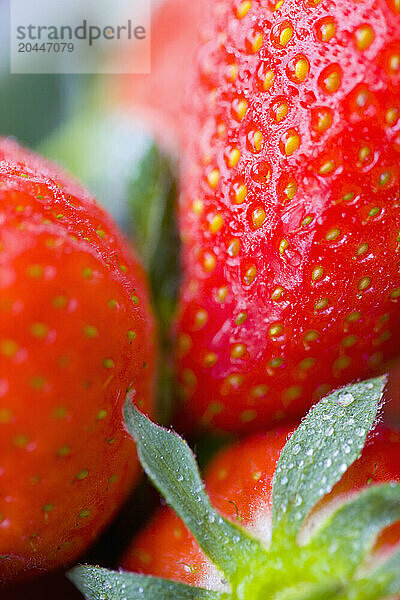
{"points": [[96, 583], [329, 439], [349, 534], [172, 468], [384, 582]]}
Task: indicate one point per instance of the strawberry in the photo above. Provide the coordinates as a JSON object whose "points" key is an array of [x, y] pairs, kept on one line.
{"points": [[289, 207], [292, 515], [76, 333]]}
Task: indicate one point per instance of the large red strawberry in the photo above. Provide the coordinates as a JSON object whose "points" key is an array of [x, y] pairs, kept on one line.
{"points": [[76, 334], [290, 207], [306, 518]]}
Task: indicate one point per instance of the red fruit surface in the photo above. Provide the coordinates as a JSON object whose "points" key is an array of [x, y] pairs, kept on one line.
{"points": [[239, 483], [76, 333], [159, 96], [290, 207]]}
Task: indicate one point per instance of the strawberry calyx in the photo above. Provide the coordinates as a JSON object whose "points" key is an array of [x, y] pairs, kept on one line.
{"points": [[330, 561]]}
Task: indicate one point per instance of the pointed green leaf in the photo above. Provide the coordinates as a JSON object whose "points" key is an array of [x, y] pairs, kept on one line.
{"points": [[171, 466], [96, 583], [349, 534], [328, 441]]}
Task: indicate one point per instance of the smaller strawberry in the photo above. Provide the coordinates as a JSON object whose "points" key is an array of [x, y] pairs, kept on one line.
{"points": [[76, 333], [311, 521]]}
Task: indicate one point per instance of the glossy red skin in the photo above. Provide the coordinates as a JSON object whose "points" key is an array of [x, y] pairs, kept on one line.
{"points": [[239, 483], [63, 446], [268, 379]]}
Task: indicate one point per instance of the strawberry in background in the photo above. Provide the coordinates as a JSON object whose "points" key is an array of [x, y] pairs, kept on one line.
{"points": [[76, 335], [289, 212]]}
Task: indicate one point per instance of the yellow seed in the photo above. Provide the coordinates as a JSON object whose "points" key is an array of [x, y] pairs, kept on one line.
{"points": [[233, 248], [216, 223], [327, 31], [292, 393], [290, 190], [82, 474], [250, 275], [332, 235], [101, 415], [240, 109], [200, 318], [210, 359], [275, 330], [394, 63], [321, 304], [232, 72], [238, 350], [198, 206], [281, 111], [248, 415], [364, 153], [283, 246], [268, 80], [256, 42], [301, 69], [5, 415], [341, 363], [286, 35], [327, 167], [364, 283], [213, 178], [394, 294], [259, 391], [362, 249], [257, 140], [349, 341], [221, 294], [108, 363], [243, 9], [311, 336], [292, 143], [276, 295], [275, 363], [90, 331], [317, 273], [234, 157], [307, 220], [384, 178], [241, 318], [332, 82], [184, 344], [221, 130], [392, 115], [189, 377], [258, 217], [307, 364], [324, 121], [8, 348], [278, 4], [364, 36], [39, 330], [209, 262], [241, 193], [35, 271], [353, 316]]}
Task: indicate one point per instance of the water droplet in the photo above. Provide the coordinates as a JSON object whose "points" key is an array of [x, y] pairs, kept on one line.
{"points": [[284, 480], [310, 452], [346, 399], [328, 463], [369, 386], [343, 468], [296, 449], [329, 431]]}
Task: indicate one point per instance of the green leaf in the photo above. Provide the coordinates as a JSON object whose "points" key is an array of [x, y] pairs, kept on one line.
{"points": [[171, 466], [96, 583], [349, 534], [387, 576], [328, 441]]}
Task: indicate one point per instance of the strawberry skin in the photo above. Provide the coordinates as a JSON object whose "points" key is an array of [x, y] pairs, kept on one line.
{"points": [[76, 333], [239, 483], [289, 210]]}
